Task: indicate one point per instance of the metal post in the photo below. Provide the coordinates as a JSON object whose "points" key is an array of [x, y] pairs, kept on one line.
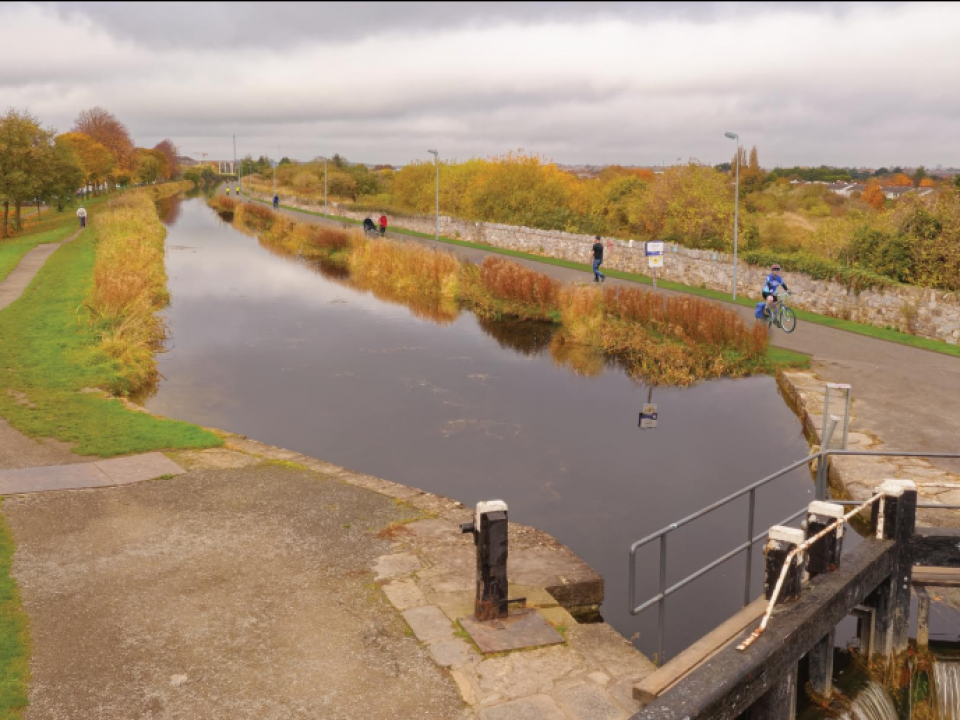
{"points": [[326, 213], [662, 609], [746, 582], [489, 529], [736, 212]]}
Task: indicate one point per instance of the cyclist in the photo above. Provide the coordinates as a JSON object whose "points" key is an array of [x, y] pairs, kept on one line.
{"points": [[238, 191], [228, 191], [771, 286], [276, 202]]}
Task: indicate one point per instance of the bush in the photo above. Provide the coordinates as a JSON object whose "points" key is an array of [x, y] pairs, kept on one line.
{"points": [[820, 268]]}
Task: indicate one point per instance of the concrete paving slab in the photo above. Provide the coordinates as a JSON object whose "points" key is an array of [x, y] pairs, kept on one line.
{"points": [[523, 628], [104, 473], [404, 594], [538, 707], [389, 566], [52, 477], [452, 653], [137, 468], [588, 702], [429, 623]]}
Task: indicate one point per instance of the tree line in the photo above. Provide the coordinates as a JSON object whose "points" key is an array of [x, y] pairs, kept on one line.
{"points": [[39, 166]]}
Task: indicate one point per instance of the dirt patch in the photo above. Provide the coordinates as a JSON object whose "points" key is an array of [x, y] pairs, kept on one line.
{"points": [[243, 593], [19, 451]]}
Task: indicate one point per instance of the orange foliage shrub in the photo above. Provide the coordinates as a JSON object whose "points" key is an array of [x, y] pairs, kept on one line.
{"points": [[508, 280]]}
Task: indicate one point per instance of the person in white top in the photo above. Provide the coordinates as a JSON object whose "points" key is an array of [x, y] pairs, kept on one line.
{"points": [[82, 214]]}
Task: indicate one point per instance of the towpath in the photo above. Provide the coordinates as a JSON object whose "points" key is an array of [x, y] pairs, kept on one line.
{"points": [[909, 398]]}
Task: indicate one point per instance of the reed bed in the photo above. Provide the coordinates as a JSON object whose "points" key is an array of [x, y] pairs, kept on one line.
{"points": [[129, 288], [499, 287], [687, 318], [667, 340]]}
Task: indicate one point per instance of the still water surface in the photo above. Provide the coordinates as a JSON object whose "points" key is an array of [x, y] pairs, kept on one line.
{"points": [[272, 348]]}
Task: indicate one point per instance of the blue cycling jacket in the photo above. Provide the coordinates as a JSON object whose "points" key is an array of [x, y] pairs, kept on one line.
{"points": [[773, 283]]}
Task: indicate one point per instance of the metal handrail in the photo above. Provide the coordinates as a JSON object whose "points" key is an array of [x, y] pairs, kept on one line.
{"points": [[822, 493]]}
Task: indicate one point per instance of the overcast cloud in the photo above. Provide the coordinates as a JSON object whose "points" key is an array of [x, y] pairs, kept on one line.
{"points": [[629, 83]]}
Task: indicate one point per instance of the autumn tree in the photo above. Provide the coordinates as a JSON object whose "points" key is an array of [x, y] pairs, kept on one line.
{"points": [[104, 127], [919, 176], [928, 182], [873, 195], [25, 152], [96, 161], [66, 175], [170, 152], [898, 179]]}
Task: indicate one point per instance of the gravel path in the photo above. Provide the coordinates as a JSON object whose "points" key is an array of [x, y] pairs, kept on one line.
{"points": [[223, 593]]}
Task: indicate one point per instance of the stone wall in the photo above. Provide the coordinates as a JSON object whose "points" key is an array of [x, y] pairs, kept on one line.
{"points": [[919, 311]]}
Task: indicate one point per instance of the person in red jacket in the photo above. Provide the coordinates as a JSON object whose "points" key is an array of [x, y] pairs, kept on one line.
{"points": [[383, 225]]}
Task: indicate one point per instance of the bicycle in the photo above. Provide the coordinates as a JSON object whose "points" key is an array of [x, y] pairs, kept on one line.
{"points": [[781, 314]]}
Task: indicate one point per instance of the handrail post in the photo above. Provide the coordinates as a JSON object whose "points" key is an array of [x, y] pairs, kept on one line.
{"points": [[661, 621], [746, 582]]}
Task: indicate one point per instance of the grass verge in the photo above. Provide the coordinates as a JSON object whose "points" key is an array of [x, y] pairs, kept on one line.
{"points": [[55, 227], [14, 636], [50, 356], [888, 334]]}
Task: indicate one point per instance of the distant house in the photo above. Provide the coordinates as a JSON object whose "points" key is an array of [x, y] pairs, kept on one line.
{"points": [[845, 189], [895, 192]]}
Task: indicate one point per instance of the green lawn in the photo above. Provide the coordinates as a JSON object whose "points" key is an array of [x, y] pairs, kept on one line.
{"points": [[49, 355], [14, 637], [54, 227], [847, 325]]}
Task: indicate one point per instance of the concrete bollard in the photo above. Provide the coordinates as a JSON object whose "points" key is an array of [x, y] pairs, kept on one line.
{"points": [[489, 528], [780, 542], [824, 555]]}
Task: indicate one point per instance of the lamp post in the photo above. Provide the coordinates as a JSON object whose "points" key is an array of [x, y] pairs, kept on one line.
{"points": [[275, 173], [436, 157], [326, 214], [736, 211]]}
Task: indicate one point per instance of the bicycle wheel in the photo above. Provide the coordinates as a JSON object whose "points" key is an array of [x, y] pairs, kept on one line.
{"points": [[788, 320]]}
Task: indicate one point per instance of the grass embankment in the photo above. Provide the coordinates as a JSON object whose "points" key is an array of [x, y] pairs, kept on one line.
{"points": [[54, 350], [14, 636], [777, 355], [52, 227], [676, 340]]}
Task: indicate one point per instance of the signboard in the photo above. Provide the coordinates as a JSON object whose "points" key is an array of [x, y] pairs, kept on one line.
{"points": [[654, 248], [656, 261], [648, 417]]}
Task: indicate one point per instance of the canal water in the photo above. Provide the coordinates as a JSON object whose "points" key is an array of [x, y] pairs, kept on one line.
{"points": [[273, 348]]}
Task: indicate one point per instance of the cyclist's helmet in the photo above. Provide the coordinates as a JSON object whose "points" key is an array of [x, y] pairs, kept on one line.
{"points": [[776, 267]]}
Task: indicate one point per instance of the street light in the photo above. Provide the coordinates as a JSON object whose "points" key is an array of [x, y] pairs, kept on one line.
{"points": [[436, 156], [325, 213], [275, 172], [736, 211]]}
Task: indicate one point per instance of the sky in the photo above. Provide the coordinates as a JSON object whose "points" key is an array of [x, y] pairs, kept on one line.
{"points": [[579, 83]]}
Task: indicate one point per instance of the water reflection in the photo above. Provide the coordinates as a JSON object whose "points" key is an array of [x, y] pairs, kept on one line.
{"points": [[295, 355]]}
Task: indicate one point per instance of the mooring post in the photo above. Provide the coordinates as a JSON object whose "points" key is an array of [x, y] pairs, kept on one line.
{"points": [[897, 511], [489, 528], [824, 555], [780, 541]]}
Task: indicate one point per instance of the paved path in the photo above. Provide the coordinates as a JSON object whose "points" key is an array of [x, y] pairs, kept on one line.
{"points": [[102, 473], [908, 397], [17, 281]]}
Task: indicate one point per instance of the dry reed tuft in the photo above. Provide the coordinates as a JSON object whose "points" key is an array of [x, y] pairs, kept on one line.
{"points": [[225, 207], [129, 287]]}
